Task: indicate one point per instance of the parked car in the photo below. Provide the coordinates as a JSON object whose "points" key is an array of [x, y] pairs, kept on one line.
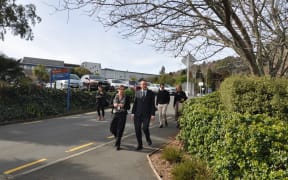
{"points": [[170, 89], [91, 82], [134, 85], [115, 83], [63, 84], [50, 85], [153, 87]]}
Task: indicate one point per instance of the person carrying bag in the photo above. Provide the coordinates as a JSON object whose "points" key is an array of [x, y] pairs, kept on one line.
{"points": [[121, 104], [101, 99], [179, 99]]}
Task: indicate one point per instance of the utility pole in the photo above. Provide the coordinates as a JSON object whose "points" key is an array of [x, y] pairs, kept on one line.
{"points": [[188, 67], [187, 60]]}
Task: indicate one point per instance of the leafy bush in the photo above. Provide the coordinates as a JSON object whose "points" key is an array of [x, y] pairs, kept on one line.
{"points": [[256, 95], [29, 102], [172, 155], [235, 145], [192, 169], [131, 93]]}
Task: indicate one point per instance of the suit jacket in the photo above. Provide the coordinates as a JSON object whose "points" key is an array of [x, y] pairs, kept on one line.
{"points": [[144, 106]]}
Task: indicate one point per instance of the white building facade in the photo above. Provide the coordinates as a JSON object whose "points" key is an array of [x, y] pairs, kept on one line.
{"points": [[94, 68], [29, 63], [124, 75]]}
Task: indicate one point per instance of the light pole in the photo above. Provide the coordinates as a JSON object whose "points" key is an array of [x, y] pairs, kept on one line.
{"points": [[200, 84], [188, 67], [187, 60]]}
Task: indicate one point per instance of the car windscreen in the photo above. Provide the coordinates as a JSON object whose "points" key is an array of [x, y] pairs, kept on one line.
{"points": [[74, 76], [116, 81], [132, 83], [96, 77]]}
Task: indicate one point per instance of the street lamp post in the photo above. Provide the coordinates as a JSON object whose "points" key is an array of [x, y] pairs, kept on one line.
{"points": [[187, 60], [201, 84], [188, 67]]}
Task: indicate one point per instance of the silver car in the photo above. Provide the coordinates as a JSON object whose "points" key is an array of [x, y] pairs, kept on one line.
{"points": [[63, 84], [170, 89]]}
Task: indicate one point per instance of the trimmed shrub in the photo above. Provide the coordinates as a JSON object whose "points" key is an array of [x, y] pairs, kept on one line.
{"points": [[256, 95], [192, 169], [172, 155], [29, 102], [235, 145]]}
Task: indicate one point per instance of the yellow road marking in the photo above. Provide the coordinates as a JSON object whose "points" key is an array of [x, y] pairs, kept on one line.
{"points": [[32, 122], [79, 147], [24, 166], [110, 137]]}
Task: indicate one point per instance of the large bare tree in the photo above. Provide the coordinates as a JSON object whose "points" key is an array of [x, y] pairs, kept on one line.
{"points": [[255, 29]]}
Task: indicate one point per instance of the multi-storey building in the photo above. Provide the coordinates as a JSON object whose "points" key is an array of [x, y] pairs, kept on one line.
{"points": [[125, 75], [28, 63], [94, 68]]}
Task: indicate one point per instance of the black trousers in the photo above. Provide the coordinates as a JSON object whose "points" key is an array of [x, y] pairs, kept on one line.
{"points": [[99, 110], [142, 121], [118, 125]]}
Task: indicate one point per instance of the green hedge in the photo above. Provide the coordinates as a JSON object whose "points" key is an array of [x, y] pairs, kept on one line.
{"points": [[31, 102], [236, 145], [256, 95]]}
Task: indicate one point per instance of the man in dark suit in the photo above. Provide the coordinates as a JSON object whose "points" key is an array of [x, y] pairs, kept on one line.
{"points": [[142, 112]]}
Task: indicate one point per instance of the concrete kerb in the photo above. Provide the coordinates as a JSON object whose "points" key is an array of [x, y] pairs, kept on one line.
{"points": [[150, 162]]}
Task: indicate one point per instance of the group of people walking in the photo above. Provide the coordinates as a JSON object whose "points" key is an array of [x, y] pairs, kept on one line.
{"points": [[143, 111]]}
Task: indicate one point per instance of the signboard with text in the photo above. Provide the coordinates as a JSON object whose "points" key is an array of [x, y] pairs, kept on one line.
{"points": [[60, 74]]}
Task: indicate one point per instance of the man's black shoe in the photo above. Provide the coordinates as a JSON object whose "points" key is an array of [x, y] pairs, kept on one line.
{"points": [[166, 123], [139, 148], [149, 142], [161, 126], [118, 148]]}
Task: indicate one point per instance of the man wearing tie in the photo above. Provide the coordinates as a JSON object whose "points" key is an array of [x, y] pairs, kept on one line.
{"points": [[142, 112]]}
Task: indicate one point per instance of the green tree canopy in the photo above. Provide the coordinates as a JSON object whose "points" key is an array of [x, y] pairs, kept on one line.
{"points": [[80, 71], [10, 71], [17, 19], [167, 79], [41, 73], [162, 71]]}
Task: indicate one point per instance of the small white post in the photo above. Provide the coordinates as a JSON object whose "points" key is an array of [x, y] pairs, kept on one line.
{"points": [[187, 86]]}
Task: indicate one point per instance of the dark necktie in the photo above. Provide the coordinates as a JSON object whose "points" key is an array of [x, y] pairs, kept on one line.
{"points": [[143, 94]]}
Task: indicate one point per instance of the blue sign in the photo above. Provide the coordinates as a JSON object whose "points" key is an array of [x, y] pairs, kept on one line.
{"points": [[60, 76]]}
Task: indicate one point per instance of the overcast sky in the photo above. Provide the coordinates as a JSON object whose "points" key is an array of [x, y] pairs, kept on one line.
{"points": [[81, 39]]}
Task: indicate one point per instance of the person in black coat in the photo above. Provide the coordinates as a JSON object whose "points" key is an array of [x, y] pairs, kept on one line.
{"points": [[162, 101], [179, 98], [142, 112], [101, 102], [121, 104]]}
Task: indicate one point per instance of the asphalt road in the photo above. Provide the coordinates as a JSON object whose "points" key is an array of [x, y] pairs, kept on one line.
{"points": [[77, 147]]}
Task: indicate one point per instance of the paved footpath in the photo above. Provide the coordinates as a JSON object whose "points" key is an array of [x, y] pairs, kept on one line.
{"points": [[105, 163]]}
